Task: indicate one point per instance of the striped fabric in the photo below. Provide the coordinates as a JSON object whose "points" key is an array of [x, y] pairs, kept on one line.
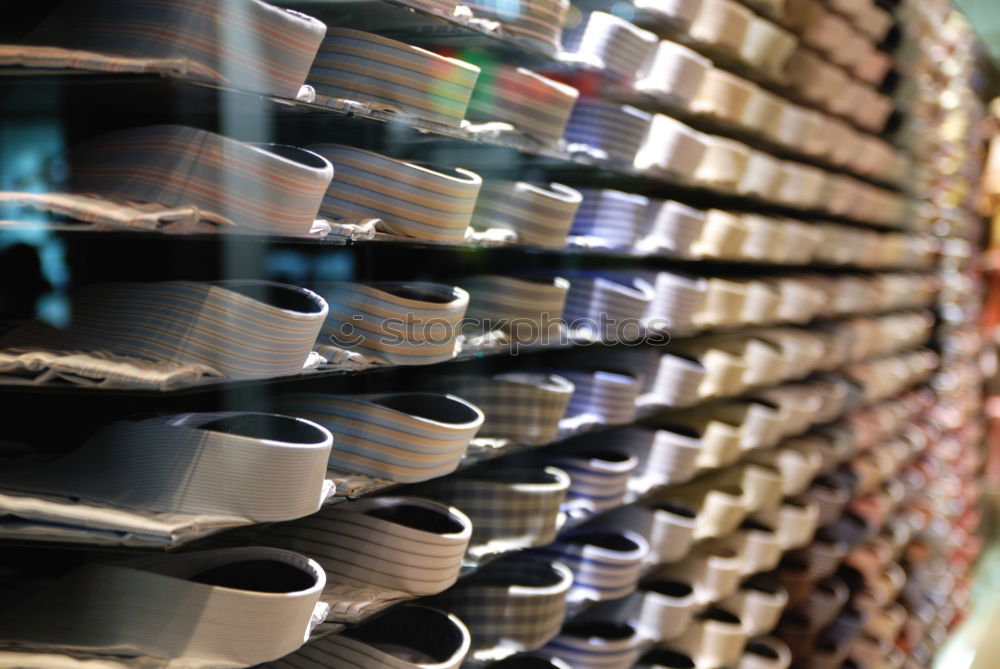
{"points": [[524, 308], [170, 334], [606, 564], [609, 397], [407, 637], [673, 72], [536, 106], [514, 604], [378, 550], [411, 200], [234, 607], [669, 226], [535, 23], [540, 216], [522, 407], [672, 147], [404, 437], [511, 507], [598, 477], [607, 130], [610, 305], [361, 66], [177, 177], [396, 323], [609, 43], [247, 44], [161, 481], [609, 218], [597, 645]]}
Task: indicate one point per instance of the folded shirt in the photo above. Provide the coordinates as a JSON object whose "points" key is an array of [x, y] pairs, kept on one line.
{"points": [[379, 550], [250, 45], [226, 608], [403, 437], [407, 637], [393, 76], [183, 179], [163, 481], [170, 334]]}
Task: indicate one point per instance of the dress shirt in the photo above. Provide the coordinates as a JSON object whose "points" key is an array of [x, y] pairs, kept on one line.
{"points": [[721, 236], [723, 163], [170, 334], [511, 507], [715, 638], [767, 47], [598, 477], [407, 637], [390, 322], [539, 215], [664, 658], [597, 645], [526, 309], [536, 23], [724, 371], [669, 226], [761, 305], [607, 130], [801, 186], [673, 72], [766, 653], [610, 305], [404, 437], [610, 43], [676, 300], [247, 44], [162, 481], [514, 604], [609, 218], [664, 457], [521, 407], [182, 179], [713, 570], [763, 114], [605, 563], [233, 607], [379, 550], [536, 106], [677, 381], [721, 23], [759, 603], [671, 146], [409, 199], [723, 95], [668, 528], [369, 68], [763, 179], [607, 396]]}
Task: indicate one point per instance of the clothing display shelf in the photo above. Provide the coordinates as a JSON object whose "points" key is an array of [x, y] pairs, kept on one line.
{"points": [[144, 99], [201, 102], [584, 610], [424, 24]]}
